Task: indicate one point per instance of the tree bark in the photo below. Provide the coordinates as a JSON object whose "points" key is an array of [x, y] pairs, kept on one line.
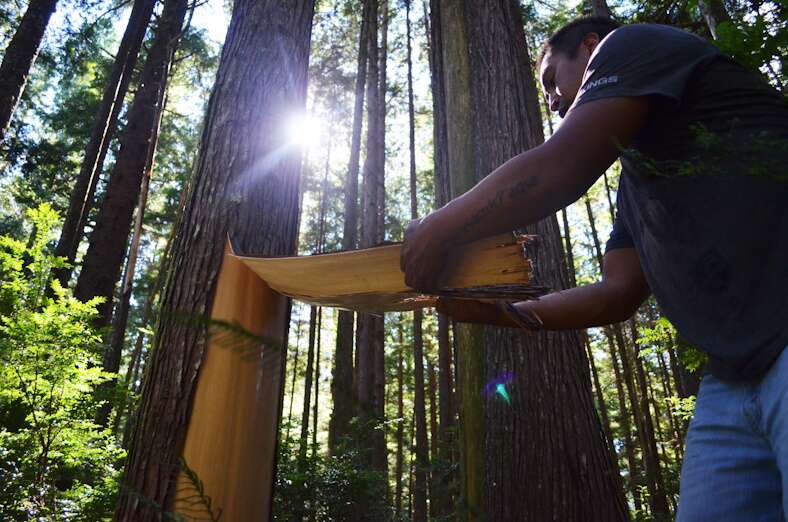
{"points": [[103, 129], [422, 458], [599, 8], [432, 388], [342, 382], [546, 454], [444, 462], [261, 79], [469, 339], [310, 358], [400, 434], [104, 257], [114, 350], [371, 355], [19, 57]]}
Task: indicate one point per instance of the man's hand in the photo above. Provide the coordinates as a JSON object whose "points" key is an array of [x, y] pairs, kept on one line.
{"points": [[424, 250]]}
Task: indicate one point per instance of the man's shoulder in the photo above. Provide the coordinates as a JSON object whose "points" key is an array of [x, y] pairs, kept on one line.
{"points": [[647, 38]]}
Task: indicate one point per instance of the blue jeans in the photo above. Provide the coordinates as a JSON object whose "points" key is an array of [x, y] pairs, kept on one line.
{"points": [[736, 461]]}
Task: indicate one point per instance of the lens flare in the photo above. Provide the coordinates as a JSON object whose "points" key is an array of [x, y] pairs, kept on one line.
{"points": [[304, 130], [497, 386]]}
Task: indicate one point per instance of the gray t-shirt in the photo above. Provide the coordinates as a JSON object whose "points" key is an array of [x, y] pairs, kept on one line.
{"points": [[703, 194]]}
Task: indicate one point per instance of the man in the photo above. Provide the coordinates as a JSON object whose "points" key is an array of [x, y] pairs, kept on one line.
{"points": [[702, 224]]}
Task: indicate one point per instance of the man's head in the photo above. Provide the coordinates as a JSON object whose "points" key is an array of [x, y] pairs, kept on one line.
{"points": [[564, 58]]}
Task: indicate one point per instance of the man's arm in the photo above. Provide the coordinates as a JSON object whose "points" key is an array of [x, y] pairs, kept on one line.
{"points": [[622, 289], [526, 188]]}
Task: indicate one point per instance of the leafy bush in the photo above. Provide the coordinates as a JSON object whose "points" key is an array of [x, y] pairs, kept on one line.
{"points": [[55, 463], [313, 486]]}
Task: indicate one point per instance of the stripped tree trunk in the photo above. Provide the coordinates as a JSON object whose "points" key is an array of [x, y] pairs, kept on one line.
{"points": [[104, 257], [19, 56], [261, 79], [103, 129]]}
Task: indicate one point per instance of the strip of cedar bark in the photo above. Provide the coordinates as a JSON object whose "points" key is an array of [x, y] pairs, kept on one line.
{"points": [[469, 338], [20, 54], [103, 260], [419, 410], [546, 456], [342, 389], [262, 76], [104, 125], [444, 464]]}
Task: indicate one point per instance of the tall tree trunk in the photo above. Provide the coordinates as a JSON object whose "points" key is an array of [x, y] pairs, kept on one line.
{"points": [[432, 389], [599, 8], [622, 373], [342, 389], [114, 350], [310, 359], [293, 382], [600, 398], [714, 13], [419, 411], [261, 79], [400, 434], [550, 390], [469, 339], [315, 411], [103, 129], [443, 463], [658, 497], [104, 257], [370, 347], [19, 56]]}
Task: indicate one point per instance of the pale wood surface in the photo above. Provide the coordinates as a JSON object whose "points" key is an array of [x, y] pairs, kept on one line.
{"points": [[231, 439], [370, 279]]}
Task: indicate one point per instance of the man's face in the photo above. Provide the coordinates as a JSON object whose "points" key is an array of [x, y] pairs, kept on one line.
{"points": [[562, 76]]}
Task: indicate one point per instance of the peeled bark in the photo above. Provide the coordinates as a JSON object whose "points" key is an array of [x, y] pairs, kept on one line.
{"points": [[104, 125], [261, 79], [20, 54], [104, 257]]}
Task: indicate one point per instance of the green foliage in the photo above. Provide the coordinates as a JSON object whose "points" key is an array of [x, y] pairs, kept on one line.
{"points": [[662, 337], [310, 485], [54, 461]]}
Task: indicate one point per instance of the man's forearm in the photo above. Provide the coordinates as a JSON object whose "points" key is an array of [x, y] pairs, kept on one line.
{"points": [[517, 193], [581, 307]]}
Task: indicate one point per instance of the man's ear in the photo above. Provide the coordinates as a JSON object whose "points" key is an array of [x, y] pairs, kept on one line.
{"points": [[590, 41]]}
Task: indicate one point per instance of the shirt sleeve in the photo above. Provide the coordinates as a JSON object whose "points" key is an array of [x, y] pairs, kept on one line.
{"points": [[644, 60], [619, 236]]}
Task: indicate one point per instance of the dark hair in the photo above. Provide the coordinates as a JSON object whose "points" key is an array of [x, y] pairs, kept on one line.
{"points": [[568, 38]]}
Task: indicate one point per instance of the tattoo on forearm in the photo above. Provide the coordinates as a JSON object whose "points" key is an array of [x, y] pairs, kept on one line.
{"points": [[518, 191]]}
